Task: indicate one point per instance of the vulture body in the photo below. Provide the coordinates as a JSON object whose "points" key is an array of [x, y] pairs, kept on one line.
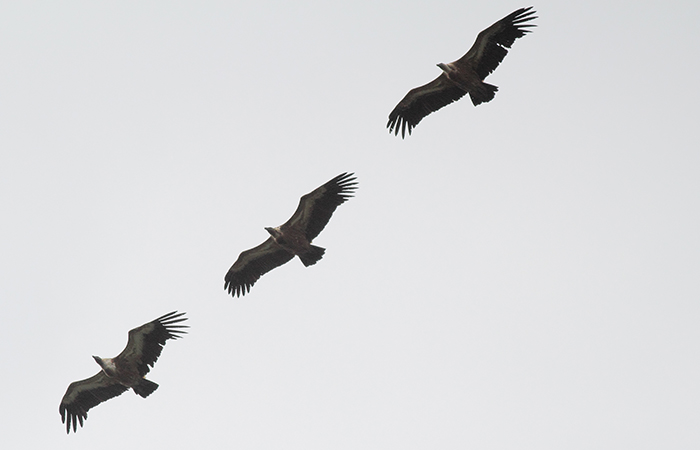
{"points": [[127, 370], [293, 237], [466, 75]]}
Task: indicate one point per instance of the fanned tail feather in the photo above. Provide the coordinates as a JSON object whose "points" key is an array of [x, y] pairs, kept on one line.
{"points": [[485, 93], [145, 388], [312, 256]]}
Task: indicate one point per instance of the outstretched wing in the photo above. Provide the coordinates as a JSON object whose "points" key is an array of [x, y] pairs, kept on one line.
{"points": [[420, 102], [85, 394], [147, 341], [492, 44], [252, 264], [316, 208]]}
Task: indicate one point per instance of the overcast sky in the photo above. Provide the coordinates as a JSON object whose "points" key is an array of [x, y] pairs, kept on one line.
{"points": [[520, 275]]}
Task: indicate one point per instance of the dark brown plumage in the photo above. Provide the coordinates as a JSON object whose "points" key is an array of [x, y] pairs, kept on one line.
{"points": [[463, 76], [127, 370], [293, 237]]}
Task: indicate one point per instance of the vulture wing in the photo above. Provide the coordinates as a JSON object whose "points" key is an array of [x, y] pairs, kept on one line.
{"points": [[147, 341], [252, 264], [316, 208], [491, 45], [420, 102], [85, 394]]}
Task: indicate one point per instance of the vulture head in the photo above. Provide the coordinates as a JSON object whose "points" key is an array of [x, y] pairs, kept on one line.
{"points": [[274, 232], [445, 68]]}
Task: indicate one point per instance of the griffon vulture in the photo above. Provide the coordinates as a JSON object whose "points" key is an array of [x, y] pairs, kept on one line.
{"points": [[463, 76], [293, 237], [125, 371]]}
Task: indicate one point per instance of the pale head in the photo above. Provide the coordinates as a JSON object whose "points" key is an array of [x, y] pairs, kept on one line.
{"points": [[445, 67], [274, 232], [107, 365]]}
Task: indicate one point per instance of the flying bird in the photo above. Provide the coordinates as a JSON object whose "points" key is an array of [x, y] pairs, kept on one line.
{"points": [[125, 371], [466, 75], [293, 237]]}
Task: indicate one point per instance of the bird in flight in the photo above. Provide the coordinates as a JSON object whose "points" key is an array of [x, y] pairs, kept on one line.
{"points": [[293, 237], [466, 75], [126, 370]]}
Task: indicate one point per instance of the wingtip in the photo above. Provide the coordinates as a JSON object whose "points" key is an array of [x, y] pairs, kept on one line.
{"points": [[524, 15], [347, 184], [68, 418], [236, 291], [172, 323]]}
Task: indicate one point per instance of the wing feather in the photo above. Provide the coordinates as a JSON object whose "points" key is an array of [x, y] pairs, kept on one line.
{"points": [[146, 342], [420, 102], [316, 208], [85, 394], [492, 44], [252, 264]]}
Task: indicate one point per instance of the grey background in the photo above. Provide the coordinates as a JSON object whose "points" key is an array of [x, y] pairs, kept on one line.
{"points": [[519, 275]]}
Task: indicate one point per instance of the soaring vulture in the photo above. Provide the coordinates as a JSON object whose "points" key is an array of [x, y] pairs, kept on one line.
{"points": [[293, 237], [125, 371], [463, 76]]}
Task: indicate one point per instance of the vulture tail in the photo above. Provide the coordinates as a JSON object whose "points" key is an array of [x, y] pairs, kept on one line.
{"points": [[312, 256], [484, 93], [145, 388]]}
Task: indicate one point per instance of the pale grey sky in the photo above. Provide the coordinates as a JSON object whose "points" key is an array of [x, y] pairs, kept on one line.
{"points": [[524, 274]]}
